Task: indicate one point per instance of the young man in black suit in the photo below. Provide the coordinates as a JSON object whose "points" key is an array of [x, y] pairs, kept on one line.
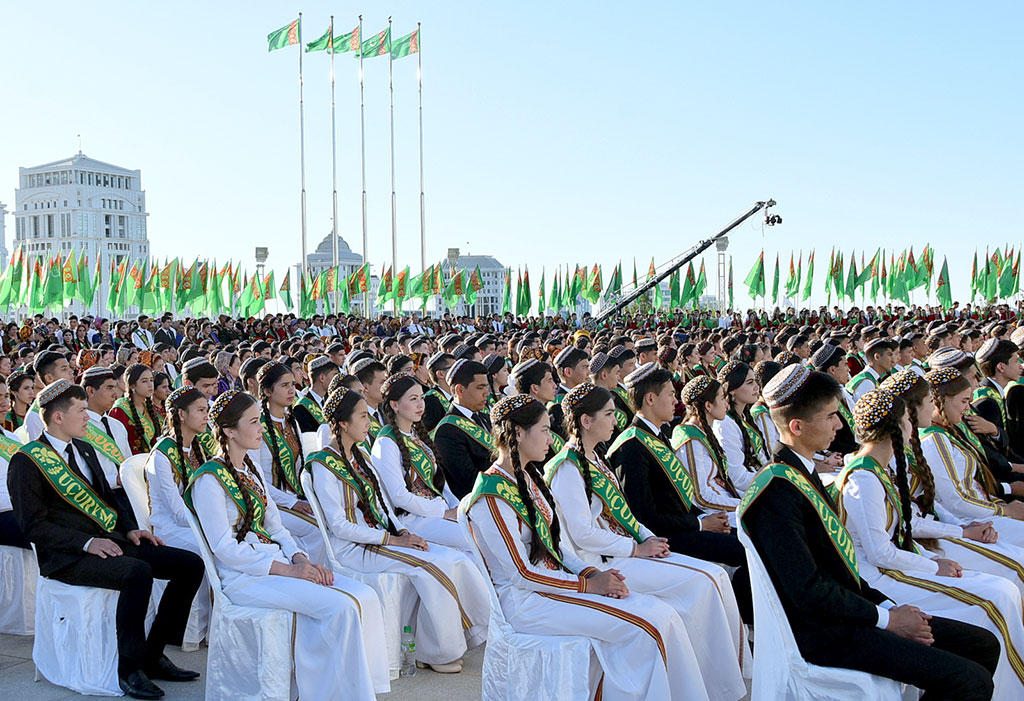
{"points": [[463, 436], [836, 618], [83, 537]]}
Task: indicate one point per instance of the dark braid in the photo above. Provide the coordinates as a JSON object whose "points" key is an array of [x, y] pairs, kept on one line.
{"points": [[289, 418], [366, 472], [151, 411], [250, 512], [278, 478], [536, 548], [896, 436], [133, 415], [176, 434], [988, 481], [698, 412], [920, 467], [750, 460]]}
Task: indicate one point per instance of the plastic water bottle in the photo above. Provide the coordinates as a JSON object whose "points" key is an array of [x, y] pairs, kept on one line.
{"points": [[408, 652]]}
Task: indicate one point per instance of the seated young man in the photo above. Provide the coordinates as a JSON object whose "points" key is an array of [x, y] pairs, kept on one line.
{"points": [[836, 618], [65, 506], [463, 437]]}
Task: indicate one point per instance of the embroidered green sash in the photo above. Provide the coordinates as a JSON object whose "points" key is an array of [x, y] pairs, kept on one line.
{"points": [[975, 442], [684, 433], [287, 459], [435, 392], [340, 469], [208, 442], [621, 419], [8, 447], [622, 394], [313, 408], [149, 429], [103, 443], [674, 469], [72, 488], [421, 462], [499, 486], [375, 427], [987, 392], [169, 449], [234, 490], [837, 532], [846, 414], [755, 438], [851, 386], [557, 442], [606, 490], [474, 431]]}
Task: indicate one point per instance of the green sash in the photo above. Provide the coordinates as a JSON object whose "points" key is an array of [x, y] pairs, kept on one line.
{"points": [[149, 429], [621, 419], [421, 462], [284, 455], [8, 447], [622, 394], [208, 442], [674, 469], [499, 486], [684, 433], [979, 449], [986, 392], [169, 448], [313, 408], [340, 469], [837, 532], [851, 386], [70, 486], [471, 429], [755, 438], [604, 488], [374, 431], [892, 494], [445, 402], [557, 442], [234, 490], [757, 410], [844, 411], [103, 444]]}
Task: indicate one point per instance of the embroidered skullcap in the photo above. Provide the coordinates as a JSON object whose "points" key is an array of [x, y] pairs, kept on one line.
{"points": [[900, 382], [639, 374], [1018, 336], [870, 328], [97, 371], [563, 356], [821, 357], [787, 358], [523, 366], [16, 376], [390, 381], [946, 357], [598, 362], [463, 351], [728, 369], [435, 359], [335, 382], [45, 358], [880, 343], [177, 395], [317, 361], [456, 366], [784, 386], [266, 368], [360, 364], [645, 344], [354, 357], [873, 407], [196, 362], [940, 376], [616, 351], [493, 362], [582, 333], [987, 349], [576, 395], [694, 388], [508, 406], [53, 391], [221, 403], [940, 330], [667, 354], [87, 358], [334, 399]]}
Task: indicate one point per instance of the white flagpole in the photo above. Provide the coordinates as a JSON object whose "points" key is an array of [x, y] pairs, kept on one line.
{"points": [[302, 147], [334, 170], [423, 216], [362, 159], [394, 206]]}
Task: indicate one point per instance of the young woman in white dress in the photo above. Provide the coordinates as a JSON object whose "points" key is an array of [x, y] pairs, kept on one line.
{"points": [[875, 506], [745, 448], [410, 470], [339, 627], [367, 536], [546, 589], [603, 532]]}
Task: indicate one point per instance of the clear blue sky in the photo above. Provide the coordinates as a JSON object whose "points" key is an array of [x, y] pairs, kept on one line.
{"points": [[555, 132]]}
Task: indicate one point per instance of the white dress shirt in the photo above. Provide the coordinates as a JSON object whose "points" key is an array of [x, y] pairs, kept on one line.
{"points": [[5, 496], [120, 437]]}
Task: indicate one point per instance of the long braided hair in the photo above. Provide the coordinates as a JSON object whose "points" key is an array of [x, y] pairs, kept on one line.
{"points": [[585, 399], [268, 376], [229, 417], [696, 412], [732, 376], [178, 403], [888, 428], [915, 397], [133, 374], [394, 390], [939, 393], [342, 414], [505, 424]]}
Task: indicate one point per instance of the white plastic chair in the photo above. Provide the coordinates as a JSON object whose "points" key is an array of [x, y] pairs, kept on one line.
{"points": [[520, 665], [396, 593], [250, 655], [18, 575], [780, 671]]}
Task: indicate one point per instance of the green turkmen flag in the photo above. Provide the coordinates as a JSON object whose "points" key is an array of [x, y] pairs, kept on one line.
{"points": [[775, 282], [527, 297], [652, 272], [579, 280], [540, 304], [474, 283], [55, 284], [689, 283], [992, 276], [1016, 273], [702, 284], [730, 282], [791, 283], [755, 278], [506, 299], [942, 290], [453, 290], [377, 45], [674, 291], [404, 46], [324, 43], [851, 278], [285, 36], [870, 270], [1006, 277], [69, 277], [974, 276], [556, 295], [810, 276]]}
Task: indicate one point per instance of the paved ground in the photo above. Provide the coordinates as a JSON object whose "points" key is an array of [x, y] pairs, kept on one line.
{"points": [[17, 673]]}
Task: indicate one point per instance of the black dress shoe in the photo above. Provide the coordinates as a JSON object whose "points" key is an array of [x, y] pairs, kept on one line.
{"points": [[168, 671], [138, 686]]}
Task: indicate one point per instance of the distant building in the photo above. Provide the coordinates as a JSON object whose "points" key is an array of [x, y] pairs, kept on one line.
{"points": [[488, 298], [79, 203], [3, 236], [348, 261]]}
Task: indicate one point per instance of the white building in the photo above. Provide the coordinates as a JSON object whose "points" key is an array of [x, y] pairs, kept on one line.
{"points": [[488, 299], [3, 236], [348, 261], [79, 203]]}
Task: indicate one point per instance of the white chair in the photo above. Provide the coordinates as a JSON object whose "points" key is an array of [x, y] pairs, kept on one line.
{"points": [[780, 671], [250, 654], [397, 595], [519, 665], [18, 575]]}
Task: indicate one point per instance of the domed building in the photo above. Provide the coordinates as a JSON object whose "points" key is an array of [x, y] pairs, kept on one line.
{"points": [[348, 263]]}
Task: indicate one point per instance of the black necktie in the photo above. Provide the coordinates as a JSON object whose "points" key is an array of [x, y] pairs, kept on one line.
{"points": [[73, 463], [479, 421], [106, 426]]}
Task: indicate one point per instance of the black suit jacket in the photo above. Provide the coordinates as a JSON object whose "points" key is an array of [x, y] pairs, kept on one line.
{"points": [[1000, 444], [433, 411], [1015, 418], [818, 592], [845, 441], [307, 424], [462, 458], [648, 490], [59, 530], [167, 336]]}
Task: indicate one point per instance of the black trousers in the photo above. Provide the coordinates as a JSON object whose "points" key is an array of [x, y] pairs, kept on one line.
{"points": [[10, 532], [132, 574], [724, 548], [958, 666]]}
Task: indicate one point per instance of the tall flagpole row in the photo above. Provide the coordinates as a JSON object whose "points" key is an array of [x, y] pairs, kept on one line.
{"points": [[362, 160], [302, 147], [423, 216], [334, 174], [394, 205]]}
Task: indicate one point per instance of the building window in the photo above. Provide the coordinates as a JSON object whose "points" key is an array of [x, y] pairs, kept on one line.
{"points": [[107, 224], [121, 226]]}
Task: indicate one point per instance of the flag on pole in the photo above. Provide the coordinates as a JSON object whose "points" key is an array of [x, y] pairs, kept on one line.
{"points": [[540, 303], [377, 45], [730, 282], [775, 280], [755, 278], [406, 46], [324, 43], [810, 277], [474, 285], [285, 36], [942, 289], [652, 272]]}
